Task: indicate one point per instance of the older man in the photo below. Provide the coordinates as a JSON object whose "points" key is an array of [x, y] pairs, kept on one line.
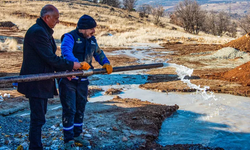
{"points": [[39, 57]]}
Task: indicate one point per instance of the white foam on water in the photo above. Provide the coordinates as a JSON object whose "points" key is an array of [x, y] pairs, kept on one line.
{"points": [[182, 72]]}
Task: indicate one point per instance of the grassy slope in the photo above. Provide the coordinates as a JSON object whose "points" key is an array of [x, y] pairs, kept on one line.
{"points": [[125, 30]]}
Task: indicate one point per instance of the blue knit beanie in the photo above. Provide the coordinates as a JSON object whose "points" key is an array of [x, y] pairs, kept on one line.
{"points": [[86, 22]]}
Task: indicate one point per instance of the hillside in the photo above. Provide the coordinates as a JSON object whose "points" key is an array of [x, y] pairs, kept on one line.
{"points": [[239, 7], [115, 28]]}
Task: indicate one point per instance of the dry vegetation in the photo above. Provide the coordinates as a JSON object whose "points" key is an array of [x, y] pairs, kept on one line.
{"points": [[8, 45], [125, 28]]}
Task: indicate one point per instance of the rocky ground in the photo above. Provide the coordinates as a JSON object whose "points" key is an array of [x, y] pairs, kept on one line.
{"points": [[115, 124]]}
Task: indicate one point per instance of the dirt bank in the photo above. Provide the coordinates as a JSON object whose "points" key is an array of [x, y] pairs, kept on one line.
{"points": [[242, 43]]}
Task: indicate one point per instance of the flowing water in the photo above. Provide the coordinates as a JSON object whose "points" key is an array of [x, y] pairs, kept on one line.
{"points": [[220, 121], [215, 120]]}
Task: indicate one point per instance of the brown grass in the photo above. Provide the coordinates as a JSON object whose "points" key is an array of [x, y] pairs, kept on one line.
{"points": [[125, 28]]}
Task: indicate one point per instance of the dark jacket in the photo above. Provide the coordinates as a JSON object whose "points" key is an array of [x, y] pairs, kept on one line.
{"points": [[82, 49], [39, 57]]}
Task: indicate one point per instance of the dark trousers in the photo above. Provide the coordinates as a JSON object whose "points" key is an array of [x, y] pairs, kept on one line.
{"points": [[38, 109], [73, 96]]}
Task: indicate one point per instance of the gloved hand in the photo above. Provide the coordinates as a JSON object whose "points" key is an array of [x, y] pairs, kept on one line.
{"points": [[108, 67], [84, 66]]}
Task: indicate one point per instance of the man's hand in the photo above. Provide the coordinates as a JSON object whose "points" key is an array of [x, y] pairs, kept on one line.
{"points": [[108, 67], [84, 66], [76, 66], [70, 78]]}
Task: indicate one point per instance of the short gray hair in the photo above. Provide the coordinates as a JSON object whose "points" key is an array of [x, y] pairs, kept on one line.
{"points": [[47, 9]]}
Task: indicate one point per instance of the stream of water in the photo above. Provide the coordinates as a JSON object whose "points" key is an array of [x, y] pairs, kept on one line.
{"points": [[215, 120], [220, 121]]}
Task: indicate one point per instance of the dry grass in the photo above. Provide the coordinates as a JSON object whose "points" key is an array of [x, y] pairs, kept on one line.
{"points": [[125, 28], [8, 45]]}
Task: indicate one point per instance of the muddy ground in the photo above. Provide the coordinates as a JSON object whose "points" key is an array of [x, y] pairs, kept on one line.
{"points": [[117, 123], [205, 71]]}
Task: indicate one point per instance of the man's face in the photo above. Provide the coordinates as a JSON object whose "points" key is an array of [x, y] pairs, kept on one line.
{"points": [[87, 33], [52, 19]]}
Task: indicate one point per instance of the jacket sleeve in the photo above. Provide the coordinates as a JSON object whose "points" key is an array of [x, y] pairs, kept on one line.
{"points": [[99, 56], [67, 48], [42, 45]]}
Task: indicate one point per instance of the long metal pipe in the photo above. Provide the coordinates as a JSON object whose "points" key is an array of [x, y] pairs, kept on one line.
{"points": [[46, 76]]}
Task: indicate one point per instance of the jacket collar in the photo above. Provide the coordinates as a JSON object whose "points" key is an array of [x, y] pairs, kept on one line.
{"points": [[40, 22], [81, 35]]}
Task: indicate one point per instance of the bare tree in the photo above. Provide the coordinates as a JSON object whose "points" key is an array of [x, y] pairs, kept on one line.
{"points": [[129, 4], [232, 30], [209, 24], [223, 23], [144, 9], [191, 16], [219, 24], [175, 20], [244, 24], [157, 12]]}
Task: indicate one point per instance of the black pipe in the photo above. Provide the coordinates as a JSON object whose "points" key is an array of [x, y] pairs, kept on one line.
{"points": [[46, 76]]}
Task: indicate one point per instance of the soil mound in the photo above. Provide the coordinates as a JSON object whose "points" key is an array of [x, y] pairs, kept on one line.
{"points": [[242, 43], [227, 53], [239, 74]]}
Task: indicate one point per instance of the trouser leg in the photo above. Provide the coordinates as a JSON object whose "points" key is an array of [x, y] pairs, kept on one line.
{"points": [[38, 109], [67, 92], [81, 100]]}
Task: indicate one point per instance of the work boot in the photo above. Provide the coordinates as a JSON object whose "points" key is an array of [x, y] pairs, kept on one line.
{"points": [[80, 140], [70, 145]]}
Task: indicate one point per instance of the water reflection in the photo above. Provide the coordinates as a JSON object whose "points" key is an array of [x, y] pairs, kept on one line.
{"points": [[187, 127]]}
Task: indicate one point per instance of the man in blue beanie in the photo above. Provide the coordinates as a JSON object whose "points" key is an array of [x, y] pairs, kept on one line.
{"points": [[78, 45]]}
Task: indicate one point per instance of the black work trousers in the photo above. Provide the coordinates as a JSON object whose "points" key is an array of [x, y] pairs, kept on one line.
{"points": [[73, 96], [38, 109]]}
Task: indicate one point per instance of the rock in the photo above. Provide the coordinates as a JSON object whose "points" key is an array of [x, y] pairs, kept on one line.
{"points": [[124, 139], [6, 141], [18, 135], [87, 135], [53, 127], [134, 118], [6, 95], [113, 91], [117, 97], [115, 129]]}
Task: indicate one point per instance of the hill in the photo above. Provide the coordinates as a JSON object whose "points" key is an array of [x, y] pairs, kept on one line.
{"points": [[116, 27], [239, 7]]}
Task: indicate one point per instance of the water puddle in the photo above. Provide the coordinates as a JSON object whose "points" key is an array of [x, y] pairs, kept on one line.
{"points": [[222, 123]]}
